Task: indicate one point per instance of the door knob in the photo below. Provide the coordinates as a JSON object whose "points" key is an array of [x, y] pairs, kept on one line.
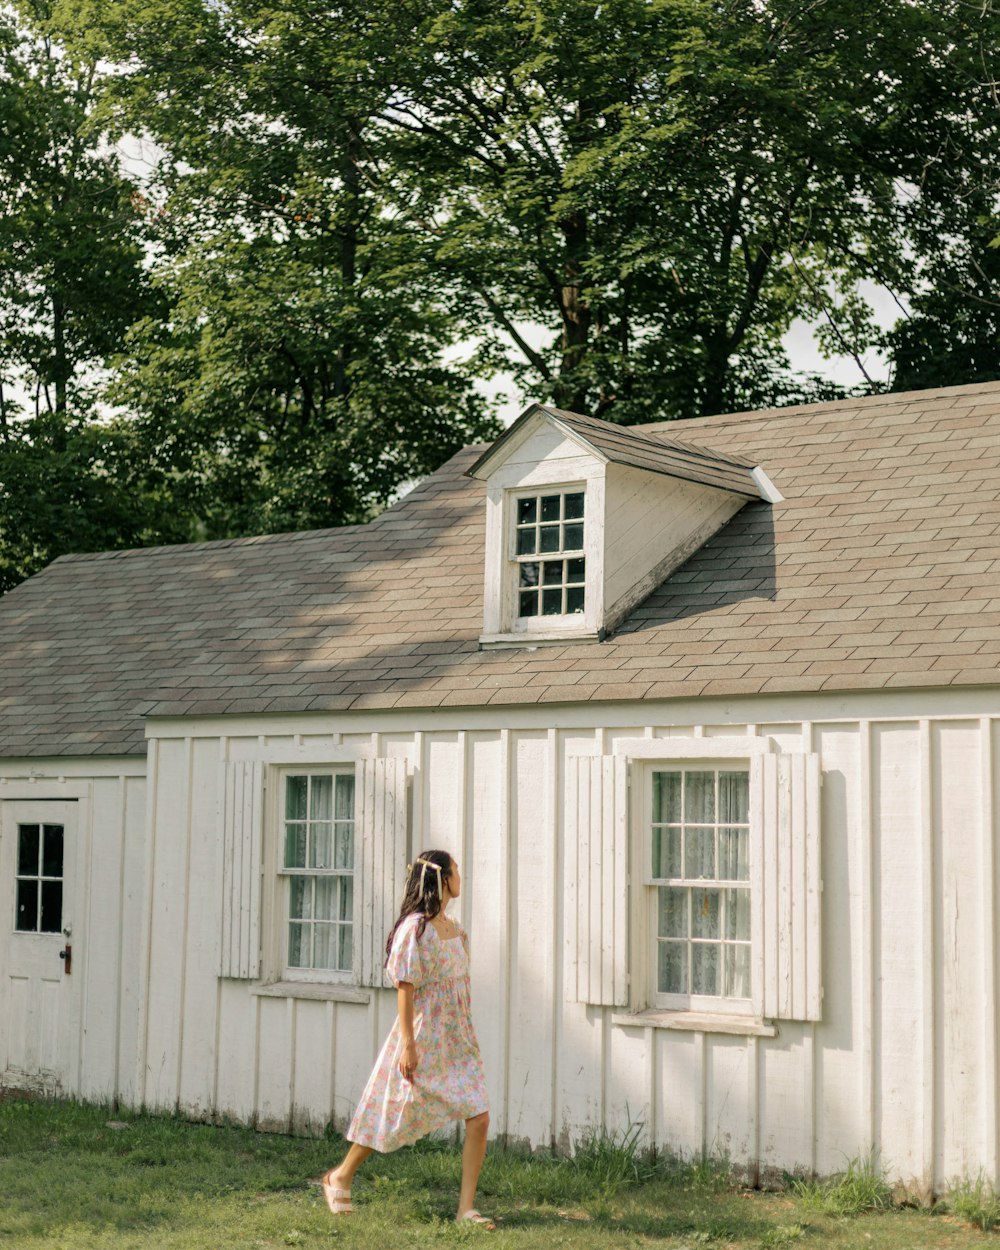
{"points": [[66, 956]]}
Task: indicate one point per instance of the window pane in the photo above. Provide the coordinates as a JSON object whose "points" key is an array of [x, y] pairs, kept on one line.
{"points": [[548, 538], [52, 852], [528, 603], [666, 798], [699, 853], [343, 846], [295, 798], [576, 570], [573, 505], [526, 544], [295, 846], [667, 853], [704, 968], [326, 898], [51, 907], [672, 913], [27, 907], [344, 809], [300, 900], [575, 599], [550, 507], [344, 943], [552, 602], [671, 972], [738, 915], [699, 797], [737, 971], [321, 845], [734, 798], [345, 902], [298, 945], [27, 850], [527, 510], [552, 573], [734, 854], [529, 574], [572, 538], [321, 798], [324, 946], [705, 914]]}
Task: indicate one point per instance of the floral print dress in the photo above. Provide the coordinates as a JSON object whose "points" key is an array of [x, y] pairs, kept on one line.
{"points": [[449, 1083]]}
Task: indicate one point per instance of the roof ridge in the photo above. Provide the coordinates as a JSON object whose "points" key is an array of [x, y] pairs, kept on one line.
{"points": [[824, 406]]}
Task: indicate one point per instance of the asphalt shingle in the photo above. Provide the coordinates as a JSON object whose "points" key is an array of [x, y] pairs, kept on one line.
{"points": [[880, 569]]}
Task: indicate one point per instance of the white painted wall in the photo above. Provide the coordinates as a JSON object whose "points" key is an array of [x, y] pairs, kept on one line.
{"points": [[903, 1061]]}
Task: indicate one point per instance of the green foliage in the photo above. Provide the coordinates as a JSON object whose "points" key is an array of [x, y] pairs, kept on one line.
{"points": [[860, 1187], [975, 1201]]}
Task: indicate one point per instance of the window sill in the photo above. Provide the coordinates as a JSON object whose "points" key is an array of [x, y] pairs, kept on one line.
{"points": [[313, 990], [696, 1022], [547, 638]]}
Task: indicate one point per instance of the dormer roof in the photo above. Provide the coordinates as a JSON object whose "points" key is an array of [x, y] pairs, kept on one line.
{"points": [[654, 453]]}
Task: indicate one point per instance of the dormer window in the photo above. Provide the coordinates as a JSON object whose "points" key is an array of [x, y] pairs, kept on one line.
{"points": [[548, 551], [584, 519]]}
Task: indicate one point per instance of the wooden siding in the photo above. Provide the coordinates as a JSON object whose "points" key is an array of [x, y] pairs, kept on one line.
{"points": [[904, 1059]]}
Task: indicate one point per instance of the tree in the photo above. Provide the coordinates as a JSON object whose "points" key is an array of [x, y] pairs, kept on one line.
{"points": [[301, 373], [72, 279]]}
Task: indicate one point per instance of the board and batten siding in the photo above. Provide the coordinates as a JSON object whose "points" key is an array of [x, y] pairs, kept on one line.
{"points": [[903, 1061]]}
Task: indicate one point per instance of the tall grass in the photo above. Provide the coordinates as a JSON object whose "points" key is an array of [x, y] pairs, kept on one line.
{"points": [[858, 1188], [975, 1201]]}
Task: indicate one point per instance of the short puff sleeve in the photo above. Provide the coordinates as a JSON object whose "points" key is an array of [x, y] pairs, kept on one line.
{"points": [[405, 961]]}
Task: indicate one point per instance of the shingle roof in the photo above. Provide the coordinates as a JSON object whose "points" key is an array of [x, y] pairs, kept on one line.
{"points": [[642, 449], [881, 568]]}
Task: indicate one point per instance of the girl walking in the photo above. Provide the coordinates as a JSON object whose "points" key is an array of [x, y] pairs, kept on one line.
{"points": [[429, 1072]]}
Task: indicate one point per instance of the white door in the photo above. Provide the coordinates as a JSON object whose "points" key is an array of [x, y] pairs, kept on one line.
{"points": [[39, 995]]}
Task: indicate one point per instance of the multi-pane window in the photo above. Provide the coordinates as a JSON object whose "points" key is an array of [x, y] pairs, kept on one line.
{"points": [[318, 863], [700, 877], [39, 878], [548, 547]]}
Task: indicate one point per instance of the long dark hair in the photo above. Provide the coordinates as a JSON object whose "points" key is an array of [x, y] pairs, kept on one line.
{"points": [[423, 892]]}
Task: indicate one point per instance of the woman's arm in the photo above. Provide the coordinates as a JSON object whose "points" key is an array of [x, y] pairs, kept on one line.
{"points": [[404, 1005]]}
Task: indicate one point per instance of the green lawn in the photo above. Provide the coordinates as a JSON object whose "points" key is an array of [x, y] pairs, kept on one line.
{"points": [[70, 1180]]}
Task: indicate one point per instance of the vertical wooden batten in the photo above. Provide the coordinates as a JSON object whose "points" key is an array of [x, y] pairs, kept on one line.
{"points": [[989, 905]]}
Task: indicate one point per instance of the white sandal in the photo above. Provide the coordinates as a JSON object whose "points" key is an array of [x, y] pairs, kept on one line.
{"points": [[338, 1200], [474, 1217]]}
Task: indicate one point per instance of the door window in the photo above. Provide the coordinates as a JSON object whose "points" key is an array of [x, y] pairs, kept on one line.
{"points": [[39, 878]]}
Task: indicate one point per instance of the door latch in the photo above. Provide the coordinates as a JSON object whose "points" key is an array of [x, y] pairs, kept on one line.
{"points": [[66, 955]]}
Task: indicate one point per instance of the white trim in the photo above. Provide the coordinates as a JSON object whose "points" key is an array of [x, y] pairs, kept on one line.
{"points": [[314, 754], [884, 706], [692, 748], [768, 491], [44, 791], [696, 1022], [324, 992]]}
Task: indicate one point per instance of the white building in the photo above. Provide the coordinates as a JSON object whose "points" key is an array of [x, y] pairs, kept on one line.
{"points": [[708, 713]]}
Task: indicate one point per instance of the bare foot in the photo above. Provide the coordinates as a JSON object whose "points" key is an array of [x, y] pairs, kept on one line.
{"points": [[473, 1217]]}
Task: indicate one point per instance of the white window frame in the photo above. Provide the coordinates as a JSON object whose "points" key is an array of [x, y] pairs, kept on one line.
{"points": [[645, 905], [562, 622], [514, 560], [277, 918]]}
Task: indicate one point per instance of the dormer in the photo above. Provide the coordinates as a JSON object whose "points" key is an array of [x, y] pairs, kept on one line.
{"points": [[585, 518]]}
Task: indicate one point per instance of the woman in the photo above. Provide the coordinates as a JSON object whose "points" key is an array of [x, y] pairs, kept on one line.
{"points": [[429, 1072]]}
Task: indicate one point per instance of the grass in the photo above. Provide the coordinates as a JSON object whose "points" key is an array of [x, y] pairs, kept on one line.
{"points": [[860, 1187], [976, 1202], [71, 1180]]}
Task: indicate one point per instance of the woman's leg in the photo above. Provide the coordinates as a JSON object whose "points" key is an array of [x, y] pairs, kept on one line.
{"points": [[473, 1153], [341, 1177]]}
